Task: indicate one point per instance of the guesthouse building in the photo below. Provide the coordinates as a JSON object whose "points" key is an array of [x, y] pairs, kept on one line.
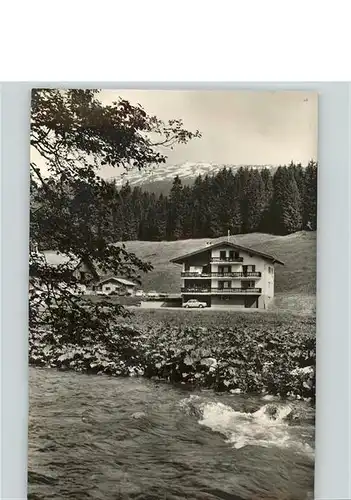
{"points": [[228, 275]]}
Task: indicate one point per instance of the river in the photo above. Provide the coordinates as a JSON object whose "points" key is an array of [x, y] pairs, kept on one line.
{"points": [[95, 437]]}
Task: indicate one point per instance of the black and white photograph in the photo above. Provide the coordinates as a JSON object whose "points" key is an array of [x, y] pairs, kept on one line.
{"points": [[172, 294]]}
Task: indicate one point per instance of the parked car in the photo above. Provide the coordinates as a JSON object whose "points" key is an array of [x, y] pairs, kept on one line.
{"points": [[153, 294], [195, 304], [139, 293]]}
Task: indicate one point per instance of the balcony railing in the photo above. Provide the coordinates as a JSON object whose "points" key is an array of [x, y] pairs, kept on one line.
{"points": [[196, 289], [237, 290], [194, 274], [250, 274], [221, 290], [191, 274], [227, 259]]}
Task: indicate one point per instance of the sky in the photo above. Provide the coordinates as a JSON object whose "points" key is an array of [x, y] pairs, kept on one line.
{"points": [[237, 127]]}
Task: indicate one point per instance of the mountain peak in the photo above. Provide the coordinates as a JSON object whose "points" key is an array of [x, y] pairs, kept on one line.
{"points": [[187, 171]]}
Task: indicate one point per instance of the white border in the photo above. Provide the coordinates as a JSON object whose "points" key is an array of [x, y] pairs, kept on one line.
{"points": [[175, 41], [333, 461]]}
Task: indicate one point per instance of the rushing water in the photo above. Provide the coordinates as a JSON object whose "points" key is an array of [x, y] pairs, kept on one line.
{"points": [[95, 437]]}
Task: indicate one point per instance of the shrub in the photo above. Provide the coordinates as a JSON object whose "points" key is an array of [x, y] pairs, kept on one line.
{"points": [[250, 356]]}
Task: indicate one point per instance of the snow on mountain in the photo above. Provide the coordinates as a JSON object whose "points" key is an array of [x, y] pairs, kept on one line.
{"points": [[186, 171]]}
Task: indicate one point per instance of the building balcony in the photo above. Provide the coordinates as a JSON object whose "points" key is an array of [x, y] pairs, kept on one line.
{"points": [[227, 259], [190, 274], [222, 291]]}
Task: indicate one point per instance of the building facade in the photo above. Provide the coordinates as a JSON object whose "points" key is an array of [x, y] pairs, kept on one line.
{"points": [[228, 275], [113, 284]]}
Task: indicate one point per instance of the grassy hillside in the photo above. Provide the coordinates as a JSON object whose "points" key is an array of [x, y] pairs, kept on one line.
{"points": [[293, 282]]}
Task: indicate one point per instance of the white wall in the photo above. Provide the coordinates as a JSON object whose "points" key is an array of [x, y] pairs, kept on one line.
{"points": [[109, 287], [115, 287], [269, 280], [236, 267]]}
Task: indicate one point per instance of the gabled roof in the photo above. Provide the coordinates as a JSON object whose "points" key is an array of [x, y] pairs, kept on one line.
{"points": [[182, 258], [54, 258], [123, 281]]}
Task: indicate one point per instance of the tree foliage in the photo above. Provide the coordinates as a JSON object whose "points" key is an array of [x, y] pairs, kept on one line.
{"points": [[75, 135]]}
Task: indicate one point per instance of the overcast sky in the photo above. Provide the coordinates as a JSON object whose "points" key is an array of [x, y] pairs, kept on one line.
{"points": [[238, 127]]}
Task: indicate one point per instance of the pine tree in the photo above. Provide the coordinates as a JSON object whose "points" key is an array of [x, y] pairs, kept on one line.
{"points": [[243, 177], [266, 222], [129, 223], [286, 215], [196, 191], [236, 217], [310, 198], [299, 176], [187, 210], [255, 194], [175, 212]]}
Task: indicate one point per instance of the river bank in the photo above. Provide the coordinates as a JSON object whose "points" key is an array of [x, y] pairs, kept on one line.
{"points": [[238, 353]]}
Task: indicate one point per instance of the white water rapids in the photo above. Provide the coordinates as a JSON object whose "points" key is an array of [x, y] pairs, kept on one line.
{"points": [[268, 426]]}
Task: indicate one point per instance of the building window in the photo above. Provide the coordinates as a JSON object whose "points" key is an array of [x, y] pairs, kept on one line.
{"points": [[222, 255], [233, 255], [249, 269], [225, 284], [226, 269], [107, 288], [247, 284]]}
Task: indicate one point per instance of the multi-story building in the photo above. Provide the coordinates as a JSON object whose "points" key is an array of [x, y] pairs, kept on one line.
{"points": [[225, 274]]}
